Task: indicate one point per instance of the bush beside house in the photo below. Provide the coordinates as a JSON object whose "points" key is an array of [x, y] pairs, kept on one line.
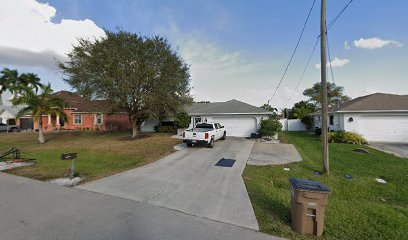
{"points": [[346, 137], [269, 127]]}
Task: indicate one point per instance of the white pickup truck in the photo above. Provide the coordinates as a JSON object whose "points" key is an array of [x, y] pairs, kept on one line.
{"points": [[204, 133]]}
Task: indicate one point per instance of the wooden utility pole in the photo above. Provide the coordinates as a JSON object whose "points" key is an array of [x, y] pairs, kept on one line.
{"points": [[325, 144]]}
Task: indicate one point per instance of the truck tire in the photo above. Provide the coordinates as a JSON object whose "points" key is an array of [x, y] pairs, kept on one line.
{"points": [[189, 144], [211, 143], [224, 136]]}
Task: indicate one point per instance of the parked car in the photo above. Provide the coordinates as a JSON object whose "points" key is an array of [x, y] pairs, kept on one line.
{"points": [[204, 133], [8, 128]]}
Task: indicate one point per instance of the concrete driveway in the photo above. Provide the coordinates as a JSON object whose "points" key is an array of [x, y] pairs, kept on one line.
{"points": [[189, 181], [34, 210], [273, 154], [398, 149]]}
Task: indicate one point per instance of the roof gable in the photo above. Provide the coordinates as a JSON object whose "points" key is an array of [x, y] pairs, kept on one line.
{"points": [[83, 104], [228, 107], [376, 102]]}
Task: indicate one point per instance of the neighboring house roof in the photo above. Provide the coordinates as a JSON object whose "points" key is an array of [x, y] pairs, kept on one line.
{"points": [[229, 107], [83, 104], [376, 102]]}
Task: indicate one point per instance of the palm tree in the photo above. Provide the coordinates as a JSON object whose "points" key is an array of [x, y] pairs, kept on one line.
{"points": [[38, 105], [11, 81]]}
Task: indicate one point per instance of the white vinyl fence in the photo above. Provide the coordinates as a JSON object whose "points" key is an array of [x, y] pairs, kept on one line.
{"points": [[292, 125]]}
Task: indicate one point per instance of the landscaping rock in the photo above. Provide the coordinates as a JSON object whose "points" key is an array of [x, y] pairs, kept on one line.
{"points": [[67, 182]]}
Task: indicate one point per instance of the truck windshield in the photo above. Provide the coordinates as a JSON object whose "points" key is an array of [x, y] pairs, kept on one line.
{"points": [[204, 125]]}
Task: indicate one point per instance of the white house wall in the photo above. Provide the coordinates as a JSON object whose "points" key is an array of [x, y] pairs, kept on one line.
{"points": [[383, 127], [243, 125], [337, 121]]}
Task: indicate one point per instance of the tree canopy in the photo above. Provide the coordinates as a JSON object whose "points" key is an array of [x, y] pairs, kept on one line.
{"points": [[143, 76], [335, 94], [269, 108], [41, 104], [12, 81], [302, 110]]}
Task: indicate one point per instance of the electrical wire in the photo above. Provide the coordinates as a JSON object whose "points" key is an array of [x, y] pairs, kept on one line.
{"points": [[328, 54], [328, 27], [294, 51]]}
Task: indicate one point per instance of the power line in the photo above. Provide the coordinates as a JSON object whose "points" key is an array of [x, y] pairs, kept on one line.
{"points": [[329, 26], [294, 51], [338, 16], [304, 70], [328, 53]]}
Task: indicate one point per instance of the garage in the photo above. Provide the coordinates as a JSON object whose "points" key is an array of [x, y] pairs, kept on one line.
{"points": [[26, 124], [237, 126], [383, 128], [240, 119]]}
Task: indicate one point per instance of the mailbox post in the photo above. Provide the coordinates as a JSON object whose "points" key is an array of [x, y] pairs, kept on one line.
{"points": [[70, 156]]}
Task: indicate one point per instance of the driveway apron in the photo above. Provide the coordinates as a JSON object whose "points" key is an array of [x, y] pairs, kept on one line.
{"points": [[189, 181]]}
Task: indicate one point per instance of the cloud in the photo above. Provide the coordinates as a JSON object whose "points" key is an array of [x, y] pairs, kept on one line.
{"points": [[374, 43], [346, 45], [219, 74], [33, 32], [337, 62], [45, 59]]}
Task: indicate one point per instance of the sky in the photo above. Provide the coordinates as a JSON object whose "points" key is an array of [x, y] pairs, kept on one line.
{"points": [[236, 49]]}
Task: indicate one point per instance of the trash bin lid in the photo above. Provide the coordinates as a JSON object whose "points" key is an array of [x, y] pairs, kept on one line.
{"points": [[305, 184]]}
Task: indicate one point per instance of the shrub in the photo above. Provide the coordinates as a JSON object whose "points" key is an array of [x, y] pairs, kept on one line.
{"points": [[182, 120], [308, 121], [269, 127], [167, 129], [346, 137]]}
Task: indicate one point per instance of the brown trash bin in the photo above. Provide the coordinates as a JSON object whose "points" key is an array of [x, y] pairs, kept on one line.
{"points": [[308, 202]]}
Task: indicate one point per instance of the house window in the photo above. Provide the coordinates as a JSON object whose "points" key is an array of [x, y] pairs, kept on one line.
{"points": [[98, 119], [332, 120], [77, 119]]}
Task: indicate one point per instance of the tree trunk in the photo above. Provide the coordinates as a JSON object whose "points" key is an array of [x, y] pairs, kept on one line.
{"points": [[134, 128], [40, 131]]}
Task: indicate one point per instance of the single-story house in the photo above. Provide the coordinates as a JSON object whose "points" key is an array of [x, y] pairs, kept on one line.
{"points": [[239, 118], [377, 117], [85, 114]]}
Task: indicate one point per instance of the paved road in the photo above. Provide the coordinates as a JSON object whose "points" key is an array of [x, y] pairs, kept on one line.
{"points": [[33, 210], [399, 149], [189, 181]]}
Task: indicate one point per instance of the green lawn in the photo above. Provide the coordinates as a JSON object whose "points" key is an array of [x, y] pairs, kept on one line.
{"points": [[100, 154], [359, 208]]}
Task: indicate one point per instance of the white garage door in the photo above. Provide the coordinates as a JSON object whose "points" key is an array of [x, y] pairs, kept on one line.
{"points": [[384, 128], [237, 126]]}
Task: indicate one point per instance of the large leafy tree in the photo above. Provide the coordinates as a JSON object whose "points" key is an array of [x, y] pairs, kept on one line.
{"points": [[335, 94], [143, 76], [302, 110], [12, 81], [38, 105]]}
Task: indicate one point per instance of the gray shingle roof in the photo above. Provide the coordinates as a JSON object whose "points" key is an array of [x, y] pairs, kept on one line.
{"points": [[376, 102], [228, 107]]}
